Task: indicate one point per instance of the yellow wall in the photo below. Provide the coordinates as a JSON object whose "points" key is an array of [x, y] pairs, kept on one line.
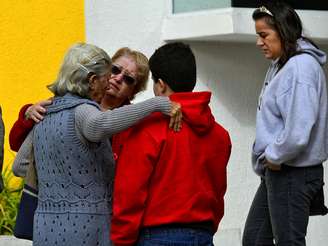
{"points": [[34, 35]]}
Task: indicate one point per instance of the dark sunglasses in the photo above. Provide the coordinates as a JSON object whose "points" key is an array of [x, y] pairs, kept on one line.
{"points": [[126, 78]]}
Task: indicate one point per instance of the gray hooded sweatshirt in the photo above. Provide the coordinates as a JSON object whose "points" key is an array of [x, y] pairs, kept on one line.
{"points": [[292, 121]]}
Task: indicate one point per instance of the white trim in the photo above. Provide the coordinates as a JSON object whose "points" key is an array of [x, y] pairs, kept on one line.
{"points": [[232, 24], [170, 5], [30, 193]]}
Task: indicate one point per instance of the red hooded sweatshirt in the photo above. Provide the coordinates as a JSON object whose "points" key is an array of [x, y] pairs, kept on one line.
{"points": [[165, 177]]}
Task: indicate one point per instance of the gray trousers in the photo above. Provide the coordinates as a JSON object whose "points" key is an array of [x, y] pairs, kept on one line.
{"points": [[280, 211]]}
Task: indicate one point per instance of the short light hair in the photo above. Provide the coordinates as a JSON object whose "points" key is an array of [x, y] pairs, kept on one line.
{"points": [[142, 67], [80, 62]]}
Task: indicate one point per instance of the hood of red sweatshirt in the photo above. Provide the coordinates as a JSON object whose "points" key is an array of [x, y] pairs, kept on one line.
{"points": [[195, 109]]}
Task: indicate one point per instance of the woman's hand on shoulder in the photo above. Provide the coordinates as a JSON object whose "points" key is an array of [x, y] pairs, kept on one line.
{"points": [[176, 116], [36, 111]]}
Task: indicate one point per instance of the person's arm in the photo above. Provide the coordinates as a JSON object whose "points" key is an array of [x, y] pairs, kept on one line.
{"points": [[27, 117], [20, 129], [133, 173], [2, 135], [299, 108], [23, 157], [95, 125]]}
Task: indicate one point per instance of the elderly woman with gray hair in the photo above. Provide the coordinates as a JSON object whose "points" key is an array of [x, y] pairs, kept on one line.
{"points": [[72, 151]]}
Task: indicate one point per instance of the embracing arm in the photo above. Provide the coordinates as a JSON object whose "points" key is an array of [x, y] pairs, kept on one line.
{"points": [[95, 125], [20, 129], [2, 135], [27, 117], [23, 157]]}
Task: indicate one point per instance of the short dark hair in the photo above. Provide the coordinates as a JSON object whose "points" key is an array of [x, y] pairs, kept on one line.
{"points": [[175, 64], [283, 19]]}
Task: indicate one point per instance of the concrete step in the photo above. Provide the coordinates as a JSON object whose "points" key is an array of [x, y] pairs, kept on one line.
{"points": [[12, 241]]}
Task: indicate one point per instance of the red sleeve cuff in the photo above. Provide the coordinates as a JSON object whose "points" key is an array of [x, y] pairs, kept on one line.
{"points": [[21, 117], [20, 129]]}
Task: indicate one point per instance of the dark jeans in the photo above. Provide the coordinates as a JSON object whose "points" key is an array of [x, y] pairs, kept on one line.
{"points": [[279, 213], [166, 236]]}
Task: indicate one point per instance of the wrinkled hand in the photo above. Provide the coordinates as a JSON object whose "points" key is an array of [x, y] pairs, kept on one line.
{"points": [[176, 116], [271, 166], [36, 111]]}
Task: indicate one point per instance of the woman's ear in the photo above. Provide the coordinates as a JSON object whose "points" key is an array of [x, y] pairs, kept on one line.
{"points": [[92, 81]]}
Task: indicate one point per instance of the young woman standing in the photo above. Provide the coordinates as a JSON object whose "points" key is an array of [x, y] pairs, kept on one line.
{"points": [[291, 131]]}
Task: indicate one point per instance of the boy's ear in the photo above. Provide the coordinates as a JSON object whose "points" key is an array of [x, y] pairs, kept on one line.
{"points": [[162, 86]]}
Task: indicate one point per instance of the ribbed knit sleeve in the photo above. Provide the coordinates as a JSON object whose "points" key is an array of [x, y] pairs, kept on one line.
{"points": [[95, 125], [23, 157]]}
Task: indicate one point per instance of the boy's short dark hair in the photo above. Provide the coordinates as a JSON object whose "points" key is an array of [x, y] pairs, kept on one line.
{"points": [[175, 64]]}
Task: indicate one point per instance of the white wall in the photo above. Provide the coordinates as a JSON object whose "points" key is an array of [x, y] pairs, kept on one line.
{"points": [[232, 71]]}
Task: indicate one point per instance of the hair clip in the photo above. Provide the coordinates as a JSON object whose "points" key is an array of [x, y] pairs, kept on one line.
{"points": [[83, 68], [263, 9]]}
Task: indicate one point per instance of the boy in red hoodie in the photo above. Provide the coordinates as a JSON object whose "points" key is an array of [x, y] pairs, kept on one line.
{"points": [[169, 186]]}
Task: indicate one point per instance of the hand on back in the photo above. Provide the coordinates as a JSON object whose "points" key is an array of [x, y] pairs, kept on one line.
{"points": [[176, 116], [37, 111]]}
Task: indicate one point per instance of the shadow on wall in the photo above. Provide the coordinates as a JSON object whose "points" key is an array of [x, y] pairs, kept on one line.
{"points": [[234, 72]]}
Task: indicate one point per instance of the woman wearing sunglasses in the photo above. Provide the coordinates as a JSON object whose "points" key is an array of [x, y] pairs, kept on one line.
{"points": [[74, 160], [291, 131], [130, 72]]}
